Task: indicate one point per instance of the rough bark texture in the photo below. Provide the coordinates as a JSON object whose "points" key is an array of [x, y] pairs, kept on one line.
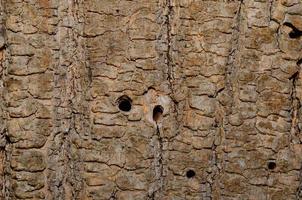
{"points": [[225, 72]]}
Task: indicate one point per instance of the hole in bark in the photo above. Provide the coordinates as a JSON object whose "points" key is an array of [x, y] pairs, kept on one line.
{"points": [[271, 165], [158, 112], [124, 103], [294, 76], [190, 173], [295, 33], [299, 62]]}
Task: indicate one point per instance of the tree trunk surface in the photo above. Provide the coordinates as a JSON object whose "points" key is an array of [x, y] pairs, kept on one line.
{"points": [[150, 99]]}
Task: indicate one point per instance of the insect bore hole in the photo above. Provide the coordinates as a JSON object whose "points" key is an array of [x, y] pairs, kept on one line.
{"points": [[271, 165], [190, 173], [158, 113], [124, 103]]}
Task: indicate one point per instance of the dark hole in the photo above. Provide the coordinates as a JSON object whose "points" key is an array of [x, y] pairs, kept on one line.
{"points": [[124, 103], [117, 10], [299, 62], [294, 76], [295, 33], [190, 173], [271, 165], [157, 112]]}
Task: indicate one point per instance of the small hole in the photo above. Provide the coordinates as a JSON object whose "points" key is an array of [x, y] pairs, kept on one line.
{"points": [[299, 62], [157, 112], [124, 103], [190, 173], [271, 165], [295, 33]]}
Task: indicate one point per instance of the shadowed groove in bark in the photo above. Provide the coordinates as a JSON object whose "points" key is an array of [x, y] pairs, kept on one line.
{"points": [[299, 189], [66, 185], [230, 68], [169, 57], [78, 102], [295, 120], [6, 190], [229, 89], [156, 190], [295, 107], [159, 170], [171, 68]]}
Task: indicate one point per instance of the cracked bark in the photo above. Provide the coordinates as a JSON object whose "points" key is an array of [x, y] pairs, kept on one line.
{"points": [[157, 189], [67, 182], [5, 154], [231, 68], [160, 135], [231, 91], [295, 120], [295, 108], [224, 76]]}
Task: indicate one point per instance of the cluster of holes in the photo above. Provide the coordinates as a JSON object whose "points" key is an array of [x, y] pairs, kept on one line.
{"points": [[125, 104], [271, 165]]}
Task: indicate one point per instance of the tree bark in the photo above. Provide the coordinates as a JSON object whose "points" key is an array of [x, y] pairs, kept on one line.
{"points": [[150, 99]]}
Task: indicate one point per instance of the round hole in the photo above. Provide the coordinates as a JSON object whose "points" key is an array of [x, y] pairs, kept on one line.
{"points": [[124, 103], [295, 34], [271, 165], [190, 173], [157, 112]]}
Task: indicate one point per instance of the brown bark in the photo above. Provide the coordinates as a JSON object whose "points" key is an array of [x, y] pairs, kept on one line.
{"points": [[81, 79]]}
